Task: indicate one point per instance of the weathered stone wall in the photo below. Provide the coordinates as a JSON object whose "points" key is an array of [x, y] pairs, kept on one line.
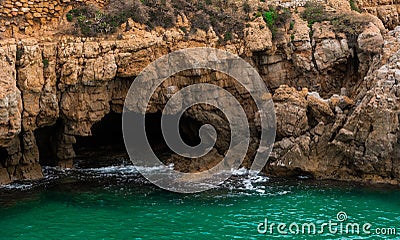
{"points": [[387, 10], [25, 15]]}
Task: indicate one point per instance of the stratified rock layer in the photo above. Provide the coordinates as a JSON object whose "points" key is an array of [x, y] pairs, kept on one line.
{"points": [[336, 99]]}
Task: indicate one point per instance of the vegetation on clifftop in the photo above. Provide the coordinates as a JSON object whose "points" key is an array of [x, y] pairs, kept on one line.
{"points": [[314, 12], [353, 6], [276, 18], [91, 21], [351, 24], [225, 17]]}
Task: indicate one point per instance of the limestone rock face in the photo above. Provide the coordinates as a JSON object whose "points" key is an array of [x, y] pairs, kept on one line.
{"points": [[302, 56], [258, 37], [331, 52], [329, 49], [291, 111], [13, 165], [359, 144], [339, 5], [198, 165], [386, 11], [389, 15], [37, 82], [10, 97], [336, 100], [373, 129], [371, 39]]}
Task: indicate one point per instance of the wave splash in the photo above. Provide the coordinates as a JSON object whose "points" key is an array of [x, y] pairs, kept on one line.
{"points": [[243, 181]]}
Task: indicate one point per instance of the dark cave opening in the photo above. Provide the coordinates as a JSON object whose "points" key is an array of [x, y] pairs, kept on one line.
{"points": [[188, 129], [106, 146], [46, 140], [105, 134], [189, 133], [3, 156]]}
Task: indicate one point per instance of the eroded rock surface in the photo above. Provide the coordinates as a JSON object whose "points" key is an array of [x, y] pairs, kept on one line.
{"points": [[336, 99], [349, 140]]}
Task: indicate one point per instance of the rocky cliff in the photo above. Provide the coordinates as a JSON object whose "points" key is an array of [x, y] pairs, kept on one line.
{"points": [[336, 93]]}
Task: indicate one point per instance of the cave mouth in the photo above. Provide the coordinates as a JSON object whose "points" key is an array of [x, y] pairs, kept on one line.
{"points": [[46, 140], [3, 156], [106, 146], [188, 129]]}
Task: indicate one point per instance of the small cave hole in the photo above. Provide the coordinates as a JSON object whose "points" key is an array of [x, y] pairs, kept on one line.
{"points": [[46, 140], [188, 130], [3, 156], [105, 147], [312, 122]]}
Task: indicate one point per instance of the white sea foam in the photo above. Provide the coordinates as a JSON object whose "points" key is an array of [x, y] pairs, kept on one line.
{"points": [[17, 186], [240, 172], [242, 180]]}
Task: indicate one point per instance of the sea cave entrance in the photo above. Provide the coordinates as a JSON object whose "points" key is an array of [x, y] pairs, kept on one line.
{"points": [[106, 146], [3, 156], [46, 140]]}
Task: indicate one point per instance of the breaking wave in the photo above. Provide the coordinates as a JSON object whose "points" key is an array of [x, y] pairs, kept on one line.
{"points": [[242, 182]]}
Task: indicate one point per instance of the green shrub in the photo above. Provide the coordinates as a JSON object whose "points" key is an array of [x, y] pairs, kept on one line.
{"points": [[275, 18], [228, 36], [45, 63], [353, 6], [90, 21], [291, 27], [270, 17], [350, 24], [201, 21], [222, 15], [70, 18], [314, 12], [20, 52], [283, 16]]}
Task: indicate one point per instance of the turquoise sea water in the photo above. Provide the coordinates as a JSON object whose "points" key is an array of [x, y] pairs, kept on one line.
{"points": [[116, 203]]}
